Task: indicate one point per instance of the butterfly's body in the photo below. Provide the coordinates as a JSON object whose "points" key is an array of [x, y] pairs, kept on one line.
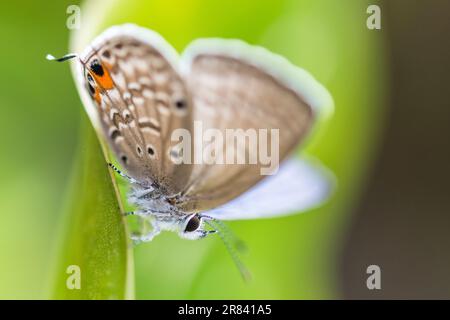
{"points": [[150, 199], [164, 215], [138, 92]]}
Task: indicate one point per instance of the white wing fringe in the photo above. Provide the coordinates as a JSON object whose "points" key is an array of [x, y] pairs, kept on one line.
{"points": [[299, 185]]}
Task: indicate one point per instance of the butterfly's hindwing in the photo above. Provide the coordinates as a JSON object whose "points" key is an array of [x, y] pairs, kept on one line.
{"points": [[232, 93], [141, 99]]}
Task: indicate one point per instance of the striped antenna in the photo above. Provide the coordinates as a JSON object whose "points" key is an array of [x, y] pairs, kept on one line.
{"points": [[63, 58], [231, 246]]}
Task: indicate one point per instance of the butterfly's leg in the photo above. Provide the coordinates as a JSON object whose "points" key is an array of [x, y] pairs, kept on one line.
{"points": [[204, 233], [123, 175], [138, 238], [144, 192], [140, 213], [147, 237]]}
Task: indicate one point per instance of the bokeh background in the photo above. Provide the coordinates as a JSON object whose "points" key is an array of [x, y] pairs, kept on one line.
{"points": [[387, 144]]}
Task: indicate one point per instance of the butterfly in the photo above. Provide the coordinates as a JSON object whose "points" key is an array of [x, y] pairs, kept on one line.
{"points": [[137, 90]]}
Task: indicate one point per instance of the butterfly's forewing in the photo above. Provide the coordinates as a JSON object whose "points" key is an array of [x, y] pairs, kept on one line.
{"points": [[236, 86], [139, 99]]}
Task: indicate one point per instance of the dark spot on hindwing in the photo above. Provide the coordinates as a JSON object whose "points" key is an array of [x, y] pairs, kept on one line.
{"points": [[97, 68], [127, 118], [180, 104], [116, 119], [91, 89], [115, 134]]}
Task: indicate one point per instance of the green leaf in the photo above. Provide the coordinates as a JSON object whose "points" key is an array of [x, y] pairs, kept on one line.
{"points": [[95, 237]]}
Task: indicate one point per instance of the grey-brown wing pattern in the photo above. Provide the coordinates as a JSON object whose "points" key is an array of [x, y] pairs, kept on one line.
{"points": [[140, 99], [230, 93]]}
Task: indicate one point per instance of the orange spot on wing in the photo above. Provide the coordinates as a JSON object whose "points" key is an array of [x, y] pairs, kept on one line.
{"points": [[97, 97], [105, 81]]}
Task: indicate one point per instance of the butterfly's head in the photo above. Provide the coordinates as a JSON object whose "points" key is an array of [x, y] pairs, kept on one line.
{"points": [[192, 228]]}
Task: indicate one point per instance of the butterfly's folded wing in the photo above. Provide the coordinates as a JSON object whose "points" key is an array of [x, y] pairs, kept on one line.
{"points": [[299, 185], [141, 99], [238, 86], [143, 94]]}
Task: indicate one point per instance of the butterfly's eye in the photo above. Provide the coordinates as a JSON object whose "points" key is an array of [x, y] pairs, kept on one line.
{"points": [[193, 224]]}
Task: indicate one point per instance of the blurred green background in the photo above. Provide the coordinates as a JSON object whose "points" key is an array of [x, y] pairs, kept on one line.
{"points": [[293, 257], [296, 257]]}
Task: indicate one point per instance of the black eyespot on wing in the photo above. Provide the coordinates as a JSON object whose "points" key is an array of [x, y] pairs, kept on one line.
{"points": [[97, 68], [193, 224], [127, 117], [115, 134], [106, 54], [180, 104], [124, 159], [150, 151], [91, 89]]}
